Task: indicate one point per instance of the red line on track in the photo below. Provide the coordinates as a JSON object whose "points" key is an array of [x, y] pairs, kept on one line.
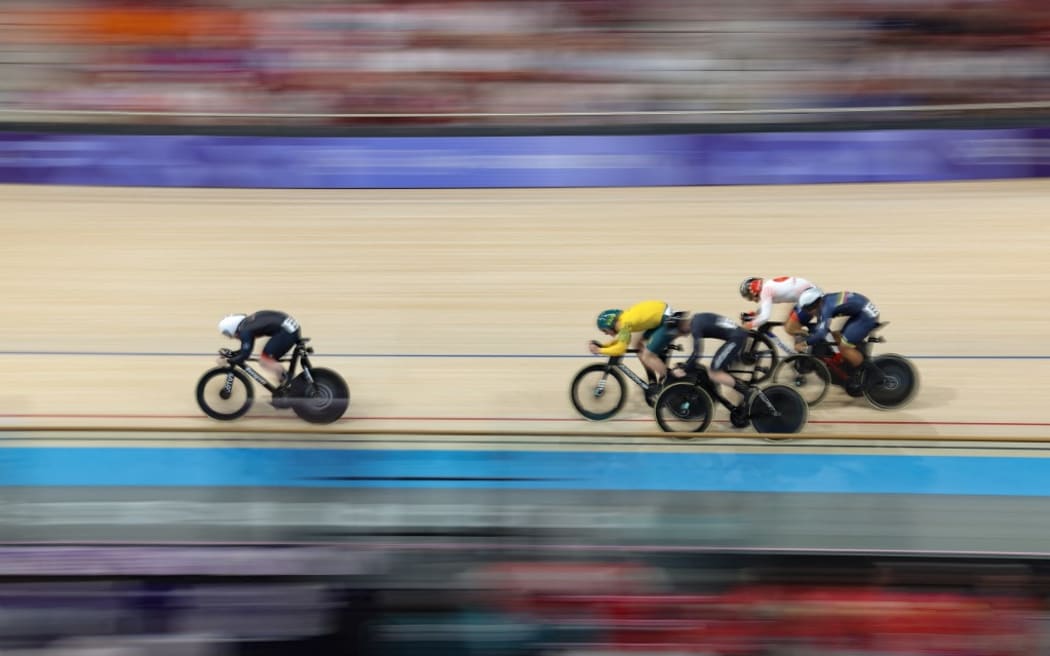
{"points": [[854, 422]]}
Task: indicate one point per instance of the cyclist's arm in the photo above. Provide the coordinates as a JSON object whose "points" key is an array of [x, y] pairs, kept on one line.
{"points": [[618, 346], [247, 346], [698, 350], [765, 309], [818, 333], [793, 325]]}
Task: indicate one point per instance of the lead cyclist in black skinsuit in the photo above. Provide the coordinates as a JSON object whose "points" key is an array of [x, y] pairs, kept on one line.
{"points": [[282, 329]]}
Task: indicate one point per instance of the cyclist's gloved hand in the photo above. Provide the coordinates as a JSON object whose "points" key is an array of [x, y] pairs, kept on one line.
{"points": [[225, 352]]}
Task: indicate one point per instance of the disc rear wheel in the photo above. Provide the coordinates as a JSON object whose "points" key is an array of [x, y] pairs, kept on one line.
{"points": [[898, 385], [778, 409], [324, 400]]}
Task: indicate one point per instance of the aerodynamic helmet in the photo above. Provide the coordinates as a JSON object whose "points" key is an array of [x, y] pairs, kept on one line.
{"points": [[751, 288], [229, 324], [809, 298], [607, 319]]}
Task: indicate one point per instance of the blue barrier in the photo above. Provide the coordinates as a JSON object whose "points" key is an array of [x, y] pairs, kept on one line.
{"points": [[466, 469], [520, 161]]}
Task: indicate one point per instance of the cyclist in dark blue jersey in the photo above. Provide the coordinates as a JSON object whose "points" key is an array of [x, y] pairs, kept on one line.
{"points": [[814, 306]]}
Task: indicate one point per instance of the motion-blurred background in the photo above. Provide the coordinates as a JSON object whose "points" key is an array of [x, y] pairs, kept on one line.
{"points": [[482, 60], [500, 584]]}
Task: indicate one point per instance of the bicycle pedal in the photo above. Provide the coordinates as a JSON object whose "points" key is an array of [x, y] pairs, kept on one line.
{"points": [[650, 397]]}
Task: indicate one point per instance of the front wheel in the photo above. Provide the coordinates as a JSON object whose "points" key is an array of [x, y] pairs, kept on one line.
{"points": [[806, 374], [324, 400], [778, 409], [759, 358], [224, 393], [683, 408], [598, 392], [900, 382]]}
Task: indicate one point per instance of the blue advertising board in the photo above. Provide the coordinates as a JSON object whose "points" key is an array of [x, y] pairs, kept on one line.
{"points": [[520, 161]]}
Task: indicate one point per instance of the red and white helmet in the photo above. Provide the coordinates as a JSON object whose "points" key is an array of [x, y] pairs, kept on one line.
{"points": [[751, 288]]}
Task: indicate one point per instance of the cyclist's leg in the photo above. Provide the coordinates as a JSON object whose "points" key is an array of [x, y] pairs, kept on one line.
{"points": [[854, 333], [275, 349], [656, 344], [638, 343], [727, 354]]}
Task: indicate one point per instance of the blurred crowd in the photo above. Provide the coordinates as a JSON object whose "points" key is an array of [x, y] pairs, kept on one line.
{"points": [[349, 62], [449, 606]]}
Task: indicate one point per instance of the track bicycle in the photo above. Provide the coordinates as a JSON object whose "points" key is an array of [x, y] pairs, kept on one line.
{"points": [[599, 391], [316, 395], [812, 374], [687, 406]]}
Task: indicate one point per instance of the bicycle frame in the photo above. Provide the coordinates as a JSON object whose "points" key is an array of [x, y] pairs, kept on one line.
{"points": [[299, 356], [767, 330], [617, 362], [833, 359], [703, 380]]}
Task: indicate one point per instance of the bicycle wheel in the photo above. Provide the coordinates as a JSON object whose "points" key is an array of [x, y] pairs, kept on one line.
{"points": [[323, 401], [806, 374], [900, 382], [684, 408], [598, 392], [778, 409], [224, 393], [759, 359]]}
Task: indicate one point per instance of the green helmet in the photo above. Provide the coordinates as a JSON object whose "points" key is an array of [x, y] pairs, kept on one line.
{"points": [[607, 319]]}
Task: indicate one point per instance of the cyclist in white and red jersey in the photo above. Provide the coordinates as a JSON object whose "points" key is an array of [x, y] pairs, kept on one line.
{"points": [[766, 292]]}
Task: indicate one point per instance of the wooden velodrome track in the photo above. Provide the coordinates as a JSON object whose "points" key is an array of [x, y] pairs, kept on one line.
{"points": [[469, 310]]}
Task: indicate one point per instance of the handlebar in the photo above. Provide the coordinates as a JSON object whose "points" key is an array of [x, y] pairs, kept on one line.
{"points": [[672, 347]]}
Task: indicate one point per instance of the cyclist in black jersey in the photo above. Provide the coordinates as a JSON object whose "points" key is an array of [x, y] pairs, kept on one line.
{"points": [[282, 329], [705, 325]]}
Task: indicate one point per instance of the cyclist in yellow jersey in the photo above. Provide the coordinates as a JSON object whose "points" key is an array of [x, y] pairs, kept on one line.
{"points": [[649, 326]]}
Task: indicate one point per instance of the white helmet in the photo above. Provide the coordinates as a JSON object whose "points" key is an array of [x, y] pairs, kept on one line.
{"points": [[228, 325], [809, 297]]}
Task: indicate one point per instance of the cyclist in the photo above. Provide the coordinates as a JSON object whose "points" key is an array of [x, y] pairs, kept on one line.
{"points": [[708, 325], [766, 292], [815, 305], [649, 326], [282, 329]]}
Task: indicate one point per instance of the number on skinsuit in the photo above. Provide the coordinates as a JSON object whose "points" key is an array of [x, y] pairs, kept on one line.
{"points": [[871, 310], [290, 325]]}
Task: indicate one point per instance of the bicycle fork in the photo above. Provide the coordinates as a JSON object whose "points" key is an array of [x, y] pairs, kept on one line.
{"points": [[227, 388], [599, 389]]}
